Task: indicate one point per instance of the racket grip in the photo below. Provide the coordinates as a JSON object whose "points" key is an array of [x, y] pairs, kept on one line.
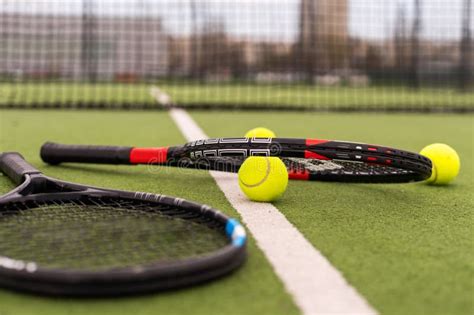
{"points": [[55, 153], [15, 167]]}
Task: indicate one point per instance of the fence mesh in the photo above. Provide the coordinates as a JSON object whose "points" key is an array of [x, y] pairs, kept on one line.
{"points": [[408, 55]]}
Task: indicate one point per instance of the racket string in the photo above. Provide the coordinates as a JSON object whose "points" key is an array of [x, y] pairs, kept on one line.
{"points": [[313, 166], [95, 233], [340, 167]]}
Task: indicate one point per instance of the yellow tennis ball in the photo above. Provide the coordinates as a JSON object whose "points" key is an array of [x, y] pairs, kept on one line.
{"points": [[260, 132], [263, 178], [446, 163]]}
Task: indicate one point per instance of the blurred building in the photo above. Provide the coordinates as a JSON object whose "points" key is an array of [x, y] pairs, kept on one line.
{"points": [[323, 34], [180, 55], [321, 47], [320, 18], [72, 47]]}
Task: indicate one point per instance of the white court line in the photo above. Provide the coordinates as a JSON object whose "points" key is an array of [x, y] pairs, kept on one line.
{"points": [[315, 285], [161, 97]]}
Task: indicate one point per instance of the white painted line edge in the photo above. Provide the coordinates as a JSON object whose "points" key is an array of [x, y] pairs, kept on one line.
{"points": [[315, 285]]}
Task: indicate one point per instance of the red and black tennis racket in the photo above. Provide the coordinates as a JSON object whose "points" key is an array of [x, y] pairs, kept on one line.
{"points": [[306, 159]]}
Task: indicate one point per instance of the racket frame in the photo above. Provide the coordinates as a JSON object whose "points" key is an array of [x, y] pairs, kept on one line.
{"points": [[417, 167], [32, 277]]}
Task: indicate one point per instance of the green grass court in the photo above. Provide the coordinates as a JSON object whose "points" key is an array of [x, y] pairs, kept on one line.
{"points": [[407, 248], [238, 94]]}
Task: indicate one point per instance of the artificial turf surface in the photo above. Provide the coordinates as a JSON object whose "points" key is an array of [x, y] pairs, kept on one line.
{"points": [[407, 248], [222, 95]]}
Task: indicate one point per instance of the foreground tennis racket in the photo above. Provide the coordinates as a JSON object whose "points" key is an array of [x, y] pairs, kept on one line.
{"points": [[62, 238], [306, 159]]}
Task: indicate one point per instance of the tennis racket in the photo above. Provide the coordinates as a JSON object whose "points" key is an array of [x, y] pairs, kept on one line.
{"points": [[62, 238], [306, 159]]}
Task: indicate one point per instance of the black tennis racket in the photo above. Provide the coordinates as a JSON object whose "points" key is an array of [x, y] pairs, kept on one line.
{"points": [[63, 238], [306, 159]]}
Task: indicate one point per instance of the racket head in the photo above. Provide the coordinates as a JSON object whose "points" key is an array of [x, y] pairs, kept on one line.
{"points": [[62, 238], [310, 159]]}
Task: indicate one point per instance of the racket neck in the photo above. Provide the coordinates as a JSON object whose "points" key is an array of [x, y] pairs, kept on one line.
{"points": [[39, 184]]}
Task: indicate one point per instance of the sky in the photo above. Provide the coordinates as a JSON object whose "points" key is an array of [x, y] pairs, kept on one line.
{"points": [[274, 20]]}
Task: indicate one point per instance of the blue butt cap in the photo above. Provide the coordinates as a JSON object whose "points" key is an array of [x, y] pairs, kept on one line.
{"points": [[236, 232]]}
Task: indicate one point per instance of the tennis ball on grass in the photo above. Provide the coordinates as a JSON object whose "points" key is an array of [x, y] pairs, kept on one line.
{"points": [[260, 132], [446, 163], [263, 178]]}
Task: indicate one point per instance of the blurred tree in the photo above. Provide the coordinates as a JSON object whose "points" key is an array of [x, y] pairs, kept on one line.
{"points": [[89, 42], [401, 41], [236, 56], [213, 47], [374, 60], [307, 48], [466, 55], [196, 48], [219, 54], [139, 29], [414, 77], [177, 65]]}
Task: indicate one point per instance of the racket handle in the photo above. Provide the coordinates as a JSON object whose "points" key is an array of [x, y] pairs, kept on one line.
{"points": [[55, 153], [15, 167]]}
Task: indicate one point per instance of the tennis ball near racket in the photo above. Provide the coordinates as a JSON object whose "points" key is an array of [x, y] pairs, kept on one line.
{"points": [[263, 178], [260, 132], [446, 163]]}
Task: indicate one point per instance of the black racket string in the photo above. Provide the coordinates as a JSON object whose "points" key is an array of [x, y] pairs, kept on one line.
{"points": [[341, 167], [94, 233], [232, 164]]}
